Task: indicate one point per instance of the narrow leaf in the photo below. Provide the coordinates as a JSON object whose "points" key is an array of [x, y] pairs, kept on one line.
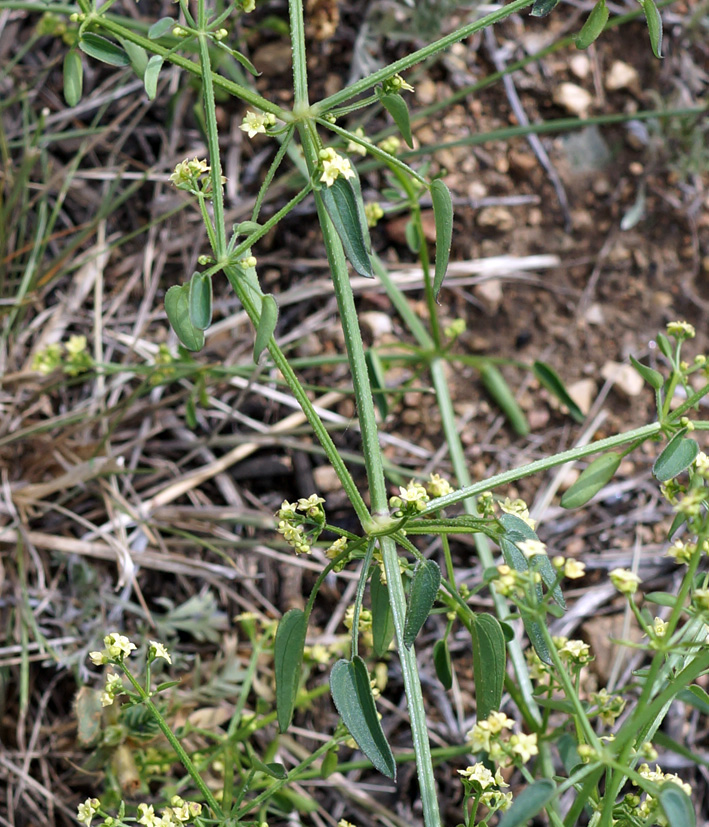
{"points": [[377, 380], [594, 25], [356, 185], [200, 300], [442, 663], [661, 598], [591, 480], [152, 73], [488, 663], [424, 588], [499, 390], [664, 344], [341, 206], [653, 377], [654, 25], [516, 530], [104, 50], [73, 77], [677, 805], [679, 453], [396, 106], [138, 57], [266, 325], [550, 379], [352, 694], [382, 617], [161, 27], [679, 520], [528, 803], [443, 219], [329, 764], [177, 308], [413, 239], [287, 661], [541, 8]]}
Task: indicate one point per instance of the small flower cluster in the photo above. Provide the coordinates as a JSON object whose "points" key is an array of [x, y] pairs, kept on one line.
{"points": [[485, 788], [681, 330], [609, 707], [625, 581], [373, 212], [519, 508], [355, 148], [73, 358], [113, 687], [301, 523], [514, 584], [255, 123], [193, 176], [646, 808], [491, 736], [390, 145], [365, 619], [179, 812], [333, 166], [118, 647], [411, 500], [395, 85], [573, 652]]}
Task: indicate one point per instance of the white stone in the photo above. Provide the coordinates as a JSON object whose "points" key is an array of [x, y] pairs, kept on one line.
{"points": [[573, 98], [626, 380], [621, 76]]}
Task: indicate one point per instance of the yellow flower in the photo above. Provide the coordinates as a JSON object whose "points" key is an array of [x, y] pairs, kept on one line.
{"points": [[625, 581], [681, 330], [87, 811], [525, 746], [574, 569], [334, 165], [118, 646], [532, 548], [256, 122], [158, 650], [353, 147]]}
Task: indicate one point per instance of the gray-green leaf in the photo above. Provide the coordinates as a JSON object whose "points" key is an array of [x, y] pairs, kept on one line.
{"points": [[424, 588], [591, 480], [488, 663], [287, 661], [73, 77], [161, 27], [594, 25], [200, 300], [352, 694], [679, 453], [396, 106], [341, 205], [152, 73], [654, 25], [499, 390], [382, 617], [177, 307], [266, 325], [443, 219], [550, 379], [677, 805], [528, 803], [653, 377], [103, 49], [442, 663], [541, 8]]}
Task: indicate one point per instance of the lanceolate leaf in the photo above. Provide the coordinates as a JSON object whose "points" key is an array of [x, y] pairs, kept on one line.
{"points": [[200, 296], [499, 390], [516, 530], [443, 219], [352, 694], [138, 56], [549, 378], [528, 803], [592, 479], [653, 377], [287, 661], [488, 663], [541, 8], [163, 26], [594, 25], [677, 805], [654, 25], [382, 617], [679, 453], [177, 303], [152, 73], [266, 326], [665, 345], [104, 50], [73, 77], [341, 206], [396, 106], [442, 663], [424, 588]]}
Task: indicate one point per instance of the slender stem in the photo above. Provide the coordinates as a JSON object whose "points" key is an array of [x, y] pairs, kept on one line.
{"points": [[300, 69], [364, 571], [282, 149]]}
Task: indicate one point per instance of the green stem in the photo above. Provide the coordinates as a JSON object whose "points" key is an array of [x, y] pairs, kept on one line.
{"points": [[300, 70], [175, 744]]}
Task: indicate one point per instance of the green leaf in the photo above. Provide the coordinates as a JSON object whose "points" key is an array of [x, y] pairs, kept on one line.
{"points": [[167, 685], [679, 520], [528, 803], [341, 205], [382, 617], [73, 77], [266, 325], [104, 50], [424, 588], [516, 530], [138, 56], [653, 377], [677, 805], [661, 598], [443, 219], [177, 301], [287, 661], [499, 390], [413, 239], [696, 697], [396, 106], [329, 763], [594, 25], [550, 379], [241, 58], [200, 297], [152, 73], [488, 663], [442, 663], [377, 380], [161, 27], [591, 480], [654, 25], [679, 453], [541, 8], [665, 346], [352, 694]]}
